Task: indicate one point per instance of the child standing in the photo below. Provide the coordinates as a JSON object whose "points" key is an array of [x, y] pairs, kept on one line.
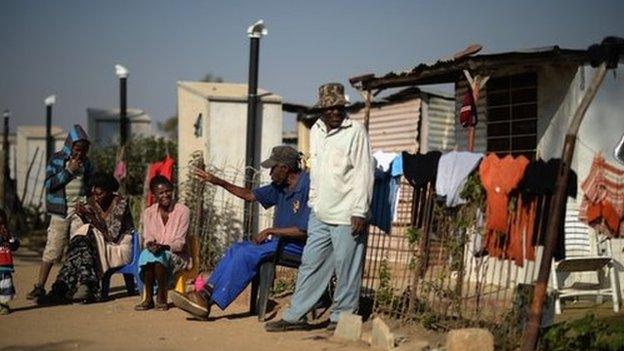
{"points": [[8, 244]]}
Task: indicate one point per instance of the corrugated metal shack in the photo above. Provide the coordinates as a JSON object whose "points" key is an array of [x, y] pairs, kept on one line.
{"points": [[524, 107]]}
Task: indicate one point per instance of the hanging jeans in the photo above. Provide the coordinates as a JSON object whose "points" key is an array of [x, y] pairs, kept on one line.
{"points": [[330, 248]]}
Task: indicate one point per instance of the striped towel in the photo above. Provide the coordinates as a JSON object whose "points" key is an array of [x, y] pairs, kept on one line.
{"points": [[605, 183]]}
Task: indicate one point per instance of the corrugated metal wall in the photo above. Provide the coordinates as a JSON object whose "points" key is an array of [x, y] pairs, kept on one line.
{"points": [[438, 115], [393, 127], [461, 134]]}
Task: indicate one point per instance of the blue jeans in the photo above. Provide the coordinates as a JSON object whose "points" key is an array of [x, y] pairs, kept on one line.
{"points": [[329, 248], [238, 268]]}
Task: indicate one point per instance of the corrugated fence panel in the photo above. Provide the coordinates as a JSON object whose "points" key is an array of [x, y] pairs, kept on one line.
{"points": [[393, 127], [441, 124]]}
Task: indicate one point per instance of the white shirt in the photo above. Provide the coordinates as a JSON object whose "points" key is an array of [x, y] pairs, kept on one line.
{"points": [[341, 172]]}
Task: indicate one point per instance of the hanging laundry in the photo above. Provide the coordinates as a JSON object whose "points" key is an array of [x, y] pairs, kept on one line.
{"points": [[501, 176], [468, 110], [120, 164], [120, 170], [383, 160], [384, 191], [396, 170], [163, 168], [420, 169], [603, 201], [453, 170], [520, 243], [537, 189], [540, 178]]}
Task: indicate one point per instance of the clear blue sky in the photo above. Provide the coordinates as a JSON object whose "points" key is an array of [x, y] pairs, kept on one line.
{"points": [[69, 47]]}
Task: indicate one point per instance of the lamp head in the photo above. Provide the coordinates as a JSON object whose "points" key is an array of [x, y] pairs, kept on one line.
{"points": [[257, 30], [50, 100], [121, 71], [6, 113]]}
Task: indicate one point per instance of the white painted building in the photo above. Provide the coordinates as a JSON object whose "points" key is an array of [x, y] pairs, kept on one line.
{"points": [[212, 118], [31, 149], [103, 125]]}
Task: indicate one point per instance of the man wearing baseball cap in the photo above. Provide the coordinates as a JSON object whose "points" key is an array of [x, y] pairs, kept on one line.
{"points": [[288, 193]]}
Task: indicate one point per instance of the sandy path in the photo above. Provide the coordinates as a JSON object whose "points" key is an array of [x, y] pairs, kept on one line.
{"points": [[114, 325]]}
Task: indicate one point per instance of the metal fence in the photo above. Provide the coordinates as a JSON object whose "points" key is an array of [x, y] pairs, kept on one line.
{"points": [[431, 269], [216, 216]]}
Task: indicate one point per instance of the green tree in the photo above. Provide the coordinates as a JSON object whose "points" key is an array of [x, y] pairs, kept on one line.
{"points": [[141, 151]]}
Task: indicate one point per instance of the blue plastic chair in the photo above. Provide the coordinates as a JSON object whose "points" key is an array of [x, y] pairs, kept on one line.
{"points": [[130, 271]]}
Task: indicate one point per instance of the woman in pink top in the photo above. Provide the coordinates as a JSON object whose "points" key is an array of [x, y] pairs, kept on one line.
{"points": [[165, 225]]}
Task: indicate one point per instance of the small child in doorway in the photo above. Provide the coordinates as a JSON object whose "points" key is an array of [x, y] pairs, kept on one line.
{"points": [[8, 244]]}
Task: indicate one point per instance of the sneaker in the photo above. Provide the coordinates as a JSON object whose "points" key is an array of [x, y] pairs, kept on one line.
{"points": [[282, 326], [331, 326], [193, 303], [37, 292], [4, 309]]}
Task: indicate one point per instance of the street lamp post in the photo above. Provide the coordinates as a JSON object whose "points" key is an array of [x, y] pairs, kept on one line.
{"points": [[254, 124], [49, 102], [5, 142], [122, 73], [5, 159]]}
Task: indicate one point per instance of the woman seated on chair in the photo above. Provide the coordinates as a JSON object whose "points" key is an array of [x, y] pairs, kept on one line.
{"points": [[104, 241], [165, 225]]}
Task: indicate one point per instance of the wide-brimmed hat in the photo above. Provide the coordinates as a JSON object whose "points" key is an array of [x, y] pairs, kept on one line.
{"points": [[282, 154], [331, 95]]}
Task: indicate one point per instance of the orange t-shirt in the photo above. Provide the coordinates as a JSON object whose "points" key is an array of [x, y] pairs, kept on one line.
{"points": [[499, 177]]}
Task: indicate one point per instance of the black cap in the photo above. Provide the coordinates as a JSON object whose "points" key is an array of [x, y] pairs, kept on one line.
{"points": [[282, 154]]}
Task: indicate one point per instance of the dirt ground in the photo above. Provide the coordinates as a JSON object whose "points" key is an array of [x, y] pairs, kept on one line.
{"points": [[114, 325]]}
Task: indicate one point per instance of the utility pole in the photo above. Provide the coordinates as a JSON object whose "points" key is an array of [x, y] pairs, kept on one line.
{"points": [[49, 102], [122, 73], [254, 125], [4, 161]]}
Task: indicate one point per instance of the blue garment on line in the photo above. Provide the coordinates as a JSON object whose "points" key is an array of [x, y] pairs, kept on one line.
{"points": [[385, 188], [241, 261]]}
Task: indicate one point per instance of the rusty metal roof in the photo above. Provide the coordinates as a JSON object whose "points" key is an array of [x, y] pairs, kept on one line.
{"points": [[305, 111], [450, 70]]}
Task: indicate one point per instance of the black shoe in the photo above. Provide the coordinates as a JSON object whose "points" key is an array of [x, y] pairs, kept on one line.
{"points": [[331, 326], [282, 326], [144, 306], [51, 299], [37, 292], [89, 299]]}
